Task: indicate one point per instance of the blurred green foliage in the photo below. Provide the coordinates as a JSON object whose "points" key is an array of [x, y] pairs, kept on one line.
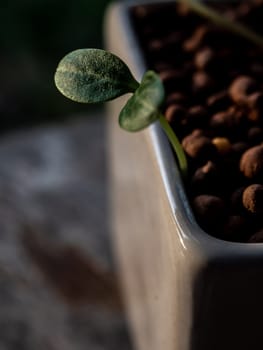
{"points": [[35, 35]]}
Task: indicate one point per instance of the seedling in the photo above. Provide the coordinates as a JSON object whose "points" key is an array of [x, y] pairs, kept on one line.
{"points": [[94, 75]]}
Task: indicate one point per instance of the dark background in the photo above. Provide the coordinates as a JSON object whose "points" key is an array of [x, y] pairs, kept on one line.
{"points": [[58, 283], [34, 36]]}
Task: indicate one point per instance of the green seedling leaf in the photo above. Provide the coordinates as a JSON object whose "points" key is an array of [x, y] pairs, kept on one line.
{"points": [[93, 75], [142, 108]]}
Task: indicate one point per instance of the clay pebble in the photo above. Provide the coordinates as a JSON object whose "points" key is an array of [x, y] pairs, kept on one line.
{"points": [[252, 198]]}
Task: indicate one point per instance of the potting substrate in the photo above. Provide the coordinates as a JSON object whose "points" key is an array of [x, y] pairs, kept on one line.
{"points": [[214, 102]]}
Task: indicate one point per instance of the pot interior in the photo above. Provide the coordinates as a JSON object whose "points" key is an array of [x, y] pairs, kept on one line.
{"points": [[214, 102]]}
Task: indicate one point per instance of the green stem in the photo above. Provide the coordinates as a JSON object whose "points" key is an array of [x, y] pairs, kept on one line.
{"points": [[133, 86], [176, 145], [221, 20]]}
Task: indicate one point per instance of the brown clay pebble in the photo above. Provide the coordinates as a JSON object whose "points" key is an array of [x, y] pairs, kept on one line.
{"points": [[202, 83], [256, 237], [255, 104], [219, 101], [224, 122], [196, 39], [241, 88], [209, 210], [199, 113], [255, 100], [208, 168], [176, 98], [205, 178], [255, 115], [239, 112], [222, 144], [174, 113], [199, 147], [198, 132], [253, 198], [251, 162], [205, 59]]}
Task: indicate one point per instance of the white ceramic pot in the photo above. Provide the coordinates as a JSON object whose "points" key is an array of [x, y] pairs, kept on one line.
{"points": [[184, 289]]}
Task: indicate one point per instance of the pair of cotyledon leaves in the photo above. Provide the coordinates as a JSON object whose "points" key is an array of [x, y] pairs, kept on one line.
{"points": [[94, 75]]}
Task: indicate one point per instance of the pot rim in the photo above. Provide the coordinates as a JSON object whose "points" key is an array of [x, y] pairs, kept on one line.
{"points": [[190, 234]]}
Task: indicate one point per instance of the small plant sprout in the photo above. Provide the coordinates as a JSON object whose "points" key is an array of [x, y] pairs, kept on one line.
{"points": [[94, 75]]}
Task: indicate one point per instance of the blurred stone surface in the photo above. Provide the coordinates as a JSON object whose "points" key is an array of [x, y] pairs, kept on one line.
{"points": [[58, 288]]}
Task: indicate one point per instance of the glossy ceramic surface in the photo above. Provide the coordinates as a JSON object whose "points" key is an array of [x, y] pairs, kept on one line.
{"points": [[184, 289]]}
